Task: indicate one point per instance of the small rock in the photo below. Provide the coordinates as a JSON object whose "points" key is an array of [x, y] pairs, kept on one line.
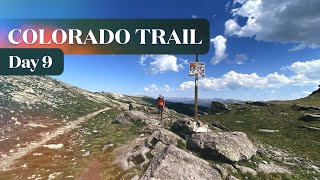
{"points": [[53, 146], [86, 154], [272, 168], [244, 170], [105, 147], [268, 130], [232, 178]]}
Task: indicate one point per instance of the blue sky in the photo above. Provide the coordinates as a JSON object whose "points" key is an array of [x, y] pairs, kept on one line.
{"points": [[260, 49]]}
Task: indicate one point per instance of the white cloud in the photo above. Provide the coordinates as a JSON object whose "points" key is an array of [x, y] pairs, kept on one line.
{"points": [[309, 69], [231, 27], [294, 21], [161, 63], [219, 43], [154, 88], [305, 73]]}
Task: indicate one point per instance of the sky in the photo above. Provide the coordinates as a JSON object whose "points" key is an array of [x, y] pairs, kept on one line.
{"points": [[259, 50]]}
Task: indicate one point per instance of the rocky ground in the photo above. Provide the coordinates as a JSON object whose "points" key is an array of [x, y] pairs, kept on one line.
{"points": [[51, 130]]}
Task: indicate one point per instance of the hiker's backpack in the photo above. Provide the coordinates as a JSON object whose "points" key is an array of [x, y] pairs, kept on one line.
{"points": [[160, 102]]}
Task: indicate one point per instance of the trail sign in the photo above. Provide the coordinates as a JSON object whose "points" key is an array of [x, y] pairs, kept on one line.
{"points": [[196, 69]]}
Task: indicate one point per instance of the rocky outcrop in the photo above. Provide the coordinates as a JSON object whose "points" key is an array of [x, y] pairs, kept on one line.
{"points": [[272, 168], [183, 127], [226, 146], [310, 117], [260, 103], [217, 107], [174, 163], [298, 107], [219, 125], [131, 117], [165, 136]]}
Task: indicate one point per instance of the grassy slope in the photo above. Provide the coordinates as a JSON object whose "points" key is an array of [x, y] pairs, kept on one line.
{"points": [[300, 141]]}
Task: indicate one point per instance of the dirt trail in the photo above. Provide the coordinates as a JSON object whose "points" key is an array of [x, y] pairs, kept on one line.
{"points": [[6, 162]]}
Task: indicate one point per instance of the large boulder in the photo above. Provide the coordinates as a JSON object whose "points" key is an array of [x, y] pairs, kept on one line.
{"points": [[183, 127], [165, 136], [174, 163], [299, 107], [225, 146], [217, 107], [310, 117], [132, 117]]}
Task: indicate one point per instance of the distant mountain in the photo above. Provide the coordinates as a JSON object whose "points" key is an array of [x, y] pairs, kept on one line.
{"points": [[201, 101]]}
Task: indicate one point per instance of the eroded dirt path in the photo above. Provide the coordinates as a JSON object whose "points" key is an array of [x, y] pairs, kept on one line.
{"points": [[6, 162]]}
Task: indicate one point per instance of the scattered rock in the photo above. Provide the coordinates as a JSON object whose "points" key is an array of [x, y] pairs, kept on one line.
{"points": [[259, 103], [272, 168], [219, 125], [53, 146], [310, 117], [174, 163], [244, 170], [217, 107], [56, 175], [165, 136], [298, 107], [268, 130], [106, 147], [183, 127], [232, 178], [310, 128], [227, 146], [86, 154], [130, 117], [37, 154]]}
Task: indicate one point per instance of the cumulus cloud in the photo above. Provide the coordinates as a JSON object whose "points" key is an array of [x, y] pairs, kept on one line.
{"points": [[285, 21], [154, 88], [155, 64], [309, 69], [220, 46], [304, 73]]}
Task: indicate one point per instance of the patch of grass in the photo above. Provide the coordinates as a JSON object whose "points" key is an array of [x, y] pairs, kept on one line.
{"points": [[182, 145]]}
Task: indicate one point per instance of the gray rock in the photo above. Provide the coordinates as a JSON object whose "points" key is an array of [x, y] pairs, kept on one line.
{"points": [[131, 106], [272, 168], [244, 170], [86, 154], [130, 117], [232, 178], [222, 171], [299, 107], [310, 117], [106, 147], [219, 125], [217, 107], [229, 168], [183, 127], [165, 136], [268, 130], [158, 148], [174, 163], [260, 103], [226, 146]]}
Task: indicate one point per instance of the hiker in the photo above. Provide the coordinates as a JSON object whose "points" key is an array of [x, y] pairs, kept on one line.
{"points": [[160, 104]]}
